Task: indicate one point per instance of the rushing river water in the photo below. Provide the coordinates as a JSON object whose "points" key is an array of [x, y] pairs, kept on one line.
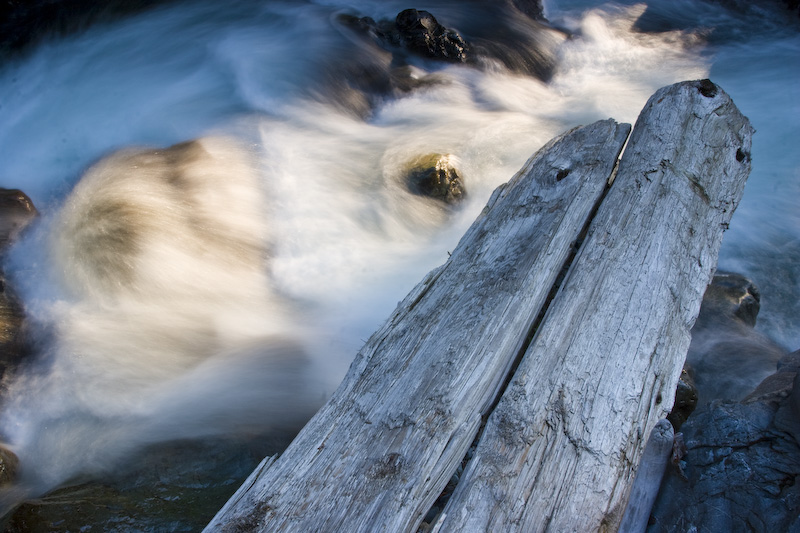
{"points": [[182, 335]]}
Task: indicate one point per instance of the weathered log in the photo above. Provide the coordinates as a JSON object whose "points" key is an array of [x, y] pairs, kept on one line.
{"points": [[559, 450], [648, 478], [382, 449]]}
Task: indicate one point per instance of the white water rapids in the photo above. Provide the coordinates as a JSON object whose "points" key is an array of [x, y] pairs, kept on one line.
{"points": [[188, 335]]}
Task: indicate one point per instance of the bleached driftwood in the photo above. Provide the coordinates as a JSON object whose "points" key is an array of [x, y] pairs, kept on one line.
{"points": [[563, 442], [387, 442], [649, 473], [559, 452]]}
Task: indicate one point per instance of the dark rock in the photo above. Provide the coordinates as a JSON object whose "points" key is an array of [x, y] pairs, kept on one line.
{"points": [[778, 383], [16, 212], [742, 464], [421, 33], [416, 31], [436, 176], [685, 400], [373, 69], [780, 386], [728, 357], [531, 8], [730, 296], [511, 33]]}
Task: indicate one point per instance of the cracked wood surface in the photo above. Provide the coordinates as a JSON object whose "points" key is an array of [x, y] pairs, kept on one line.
{"points": [[381, 450], [560, 448], [559, 451]]}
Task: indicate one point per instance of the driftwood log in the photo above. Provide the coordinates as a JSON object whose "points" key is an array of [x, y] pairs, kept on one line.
{"points": [[648, 478], [592, 359]]}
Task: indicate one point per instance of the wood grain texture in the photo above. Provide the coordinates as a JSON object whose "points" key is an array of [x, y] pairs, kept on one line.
{"points": [[560, 450], [381, 450], [650, 472]]}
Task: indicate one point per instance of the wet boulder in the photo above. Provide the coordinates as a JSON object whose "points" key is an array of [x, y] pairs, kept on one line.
{"points": [[741, 464], [436, 176], [685, 400], [728, 356], [415, 31], [16, 212], [375, 69], [9, 465], [421, 33], [512, 34], [729, 297]]}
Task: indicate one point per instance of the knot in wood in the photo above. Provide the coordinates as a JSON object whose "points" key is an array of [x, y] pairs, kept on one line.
{"points": [[707, 88], [742, 156]]}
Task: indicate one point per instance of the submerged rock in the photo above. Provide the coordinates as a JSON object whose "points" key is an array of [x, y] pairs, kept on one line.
{"points": [[436, 176], [728, 357]]}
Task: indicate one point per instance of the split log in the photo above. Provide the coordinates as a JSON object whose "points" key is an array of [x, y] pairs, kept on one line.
{"points": [[382, 449], [560, 448], [559, 452]]}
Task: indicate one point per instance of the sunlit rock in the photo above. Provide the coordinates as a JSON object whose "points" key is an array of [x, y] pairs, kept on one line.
{"points": [[436, 176]]}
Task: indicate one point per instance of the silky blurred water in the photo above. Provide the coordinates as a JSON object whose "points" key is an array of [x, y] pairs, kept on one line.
{"points": [[318, 164]]}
